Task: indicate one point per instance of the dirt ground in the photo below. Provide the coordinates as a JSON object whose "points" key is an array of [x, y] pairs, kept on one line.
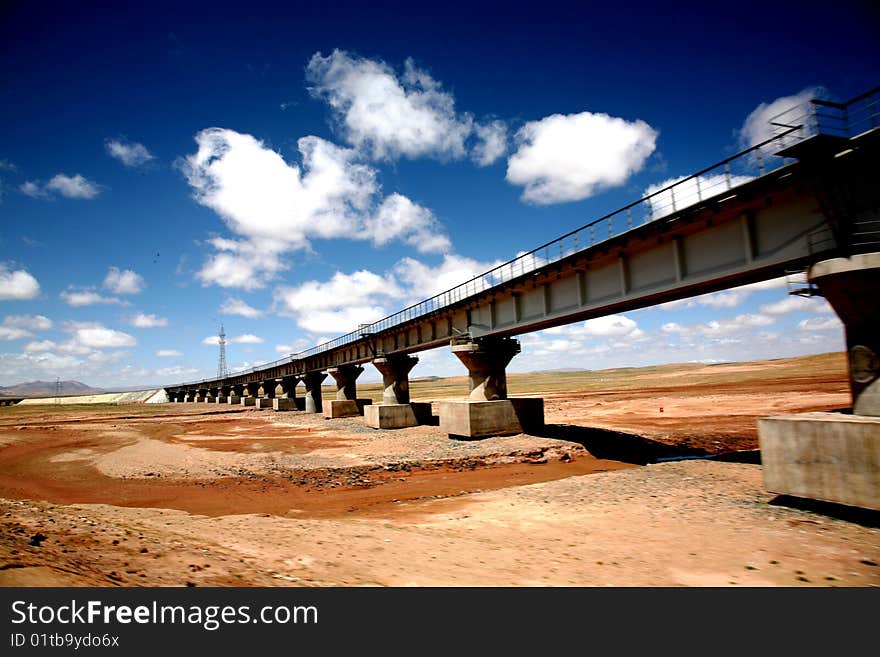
{"points": [[204, 495]]}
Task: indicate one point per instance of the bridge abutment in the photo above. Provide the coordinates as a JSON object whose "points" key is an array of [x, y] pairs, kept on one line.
{"points": [[835, 457], [346, 403], [488, 411], [396, 411]]}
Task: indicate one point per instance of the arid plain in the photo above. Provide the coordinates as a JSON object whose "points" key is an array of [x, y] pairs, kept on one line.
{"points": [[205, 495]]}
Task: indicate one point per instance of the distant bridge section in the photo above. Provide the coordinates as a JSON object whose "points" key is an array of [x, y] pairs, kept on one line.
{"points": [[807, 194]]}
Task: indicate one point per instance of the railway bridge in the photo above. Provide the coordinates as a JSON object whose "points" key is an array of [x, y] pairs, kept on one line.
{"points": [[807, 195]]}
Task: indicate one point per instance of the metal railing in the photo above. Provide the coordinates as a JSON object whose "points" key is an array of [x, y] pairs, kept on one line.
{"points": [[818, 116], [793, 125]]}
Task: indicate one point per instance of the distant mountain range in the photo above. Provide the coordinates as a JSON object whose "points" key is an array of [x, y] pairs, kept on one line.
{"points": [[47, 389]]}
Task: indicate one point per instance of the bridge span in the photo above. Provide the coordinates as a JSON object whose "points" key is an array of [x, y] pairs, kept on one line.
{"points": [[808, 194]]}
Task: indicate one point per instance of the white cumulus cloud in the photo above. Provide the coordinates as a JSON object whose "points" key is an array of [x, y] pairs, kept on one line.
{"points": [[88, 298], [13, 333], [15, 327], [123, 281], [130, 153], [277, 207], [491, 144], [168, 353], [570, 157], [99, 337], [32, 188], [795, 303], [32, 322], [386, 115], [399, 218], [17, 285], [141, 320], [75, 186], [820, 324], [233, 306]]}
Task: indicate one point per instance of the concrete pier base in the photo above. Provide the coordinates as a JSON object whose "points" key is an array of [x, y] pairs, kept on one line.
{"points": [[823, 456], [397, 416], [248, 401], [264, 402], [221, 400], [345, 407], [288, 404], [502, 417], [233, 400]]}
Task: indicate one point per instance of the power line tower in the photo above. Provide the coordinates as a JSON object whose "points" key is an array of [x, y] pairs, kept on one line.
{"points": [[222, 370]]}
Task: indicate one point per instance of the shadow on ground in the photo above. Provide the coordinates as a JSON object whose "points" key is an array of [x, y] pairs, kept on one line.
{"points": [[858, 515], [632, 448], [619, 445]]}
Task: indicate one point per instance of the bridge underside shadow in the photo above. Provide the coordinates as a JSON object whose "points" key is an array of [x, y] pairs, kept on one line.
{"points": [[619, 445]]}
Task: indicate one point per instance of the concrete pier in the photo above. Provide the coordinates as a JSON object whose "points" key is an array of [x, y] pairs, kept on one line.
{"points": [[264, 402], [287, 401], [222, 400], [233, 400], [851, 286], [249, 401], [289, 404], [268, 388], [823, 456], [312, 382], [337, 408], [835, 457], [346, 403], [499, 417], [395, 371], [395, 411], [397, 416], [486, 362], [488, 411]]}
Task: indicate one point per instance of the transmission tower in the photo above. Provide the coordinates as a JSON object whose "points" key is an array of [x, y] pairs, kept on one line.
{"points": [[222, 370]]}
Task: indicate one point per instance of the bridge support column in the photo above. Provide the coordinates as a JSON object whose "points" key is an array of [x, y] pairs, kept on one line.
{"points": [[488, 411], [250, 393], [835, 457], [235, 395], [223, 395], [189, 396], [346, 403], [201, 395], [396, 411], [312, 382], [288, 400], [266, 399]]}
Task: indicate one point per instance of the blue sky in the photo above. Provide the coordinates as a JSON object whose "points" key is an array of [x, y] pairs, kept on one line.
{"points": [[294, 171]]}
